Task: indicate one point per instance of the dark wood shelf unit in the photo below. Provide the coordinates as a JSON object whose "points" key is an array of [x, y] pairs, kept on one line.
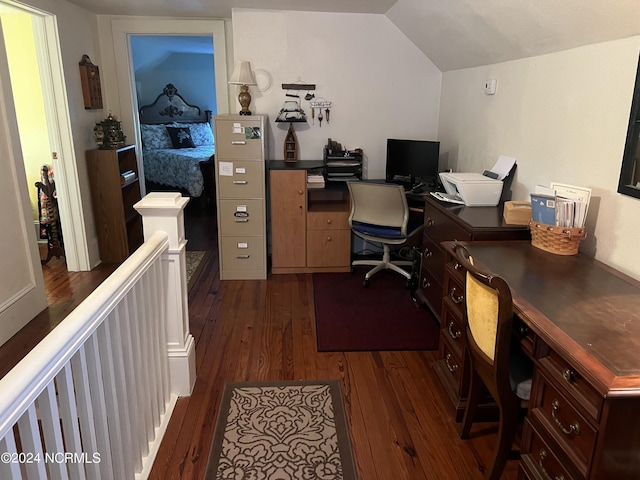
{"points": [[118, 224]]}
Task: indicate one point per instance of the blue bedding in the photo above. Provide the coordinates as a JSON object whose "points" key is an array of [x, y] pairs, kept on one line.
{"points": [[168, 163], [178, 168]]}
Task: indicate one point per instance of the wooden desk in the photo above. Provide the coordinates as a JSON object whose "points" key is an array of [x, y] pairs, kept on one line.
{"points": [[582, 328]]}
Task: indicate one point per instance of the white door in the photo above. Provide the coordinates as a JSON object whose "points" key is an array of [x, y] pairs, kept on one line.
{"points": [[22, 293]]}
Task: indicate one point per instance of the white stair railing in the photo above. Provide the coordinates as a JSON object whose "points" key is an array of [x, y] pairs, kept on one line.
{"points": [[92, 400]]}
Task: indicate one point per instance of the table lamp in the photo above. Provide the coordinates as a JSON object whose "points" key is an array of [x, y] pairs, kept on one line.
{"points": [[243, 76]]}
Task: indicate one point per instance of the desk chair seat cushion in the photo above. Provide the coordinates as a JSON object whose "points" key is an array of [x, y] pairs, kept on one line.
{"points": [[382, 231]]}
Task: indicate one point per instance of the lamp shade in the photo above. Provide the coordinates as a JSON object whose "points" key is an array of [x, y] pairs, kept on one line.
{"points": [[291, 112], [243, 75]]}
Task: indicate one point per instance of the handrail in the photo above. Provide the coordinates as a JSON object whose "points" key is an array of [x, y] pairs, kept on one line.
{"points": [[25, 382]]}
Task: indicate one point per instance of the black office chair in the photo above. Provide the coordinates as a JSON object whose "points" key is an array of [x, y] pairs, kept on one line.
{"points": [[380, 213], [496, 360]]}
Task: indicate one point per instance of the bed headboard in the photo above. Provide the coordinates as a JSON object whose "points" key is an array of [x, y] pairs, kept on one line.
{"points": [[169, 107]]}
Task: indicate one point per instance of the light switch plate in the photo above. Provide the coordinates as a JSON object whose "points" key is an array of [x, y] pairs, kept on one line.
{"points": [[490, 86]]}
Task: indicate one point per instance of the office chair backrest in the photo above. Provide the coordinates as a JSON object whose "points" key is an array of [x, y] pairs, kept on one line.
{"points": [[489, 321], [379, 204]]}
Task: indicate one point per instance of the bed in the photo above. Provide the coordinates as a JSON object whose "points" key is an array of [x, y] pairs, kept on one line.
{"points": [[177, 146]]}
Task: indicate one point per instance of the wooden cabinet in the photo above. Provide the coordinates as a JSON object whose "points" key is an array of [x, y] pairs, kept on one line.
{"points": [[240, 189], [444, 222], [115, 188], [309, 227]]}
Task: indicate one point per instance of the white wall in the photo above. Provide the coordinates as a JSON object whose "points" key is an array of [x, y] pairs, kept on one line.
{"points": [[379, 83], [564, 116]]}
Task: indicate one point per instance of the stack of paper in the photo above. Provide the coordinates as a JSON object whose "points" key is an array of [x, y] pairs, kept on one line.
{"points": [[315, 180], [561, 205]]}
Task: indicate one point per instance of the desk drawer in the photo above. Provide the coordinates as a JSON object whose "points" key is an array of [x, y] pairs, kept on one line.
{"points": [[440, 228], [454, 367], [453, 327], [245, 181], [433, 259], [431, 291], [334, 220], [454, 292], [539, 459], [328, 248], [575, 435], [563, 373]]}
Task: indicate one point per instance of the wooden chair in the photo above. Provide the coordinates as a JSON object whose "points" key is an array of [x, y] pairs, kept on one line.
{"points": [[496, 361]]}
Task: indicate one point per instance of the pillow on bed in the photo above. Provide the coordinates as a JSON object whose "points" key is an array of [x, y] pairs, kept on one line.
{"points": [[181, 137], [155, 137], [201, 133]]}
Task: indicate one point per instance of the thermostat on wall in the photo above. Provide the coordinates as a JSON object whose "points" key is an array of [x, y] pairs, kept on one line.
{"points": [[490, 86]]}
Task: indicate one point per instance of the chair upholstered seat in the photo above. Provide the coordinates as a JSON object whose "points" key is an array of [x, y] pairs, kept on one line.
{"points": [[380, 213]]}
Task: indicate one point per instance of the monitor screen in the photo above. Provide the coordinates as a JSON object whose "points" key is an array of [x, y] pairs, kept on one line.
{"points": [[412, 161]]}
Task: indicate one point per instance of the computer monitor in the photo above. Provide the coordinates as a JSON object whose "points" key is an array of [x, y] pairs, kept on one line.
{"points": [[410, 162]]}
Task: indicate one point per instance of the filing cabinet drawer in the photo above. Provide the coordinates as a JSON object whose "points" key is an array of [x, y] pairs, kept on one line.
{"points": [[241, 217], [328, 248], [328, 220], [560, 370], [242, 253], [243, 179], [542, 460], [235, 139], [439, 228], [558, 416]]}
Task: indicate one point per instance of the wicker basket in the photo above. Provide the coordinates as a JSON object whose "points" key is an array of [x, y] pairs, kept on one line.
{"points": [[558, 240]]}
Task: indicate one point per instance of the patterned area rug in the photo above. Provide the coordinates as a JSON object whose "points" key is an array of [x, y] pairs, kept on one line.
{"points": [[194, 263], [281, 430]]}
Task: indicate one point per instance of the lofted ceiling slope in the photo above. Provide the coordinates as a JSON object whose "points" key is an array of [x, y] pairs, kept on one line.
{"points": [[453, 34]]}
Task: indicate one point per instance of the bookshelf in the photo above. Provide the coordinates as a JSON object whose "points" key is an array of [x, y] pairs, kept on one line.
{"points": [[115, 188]]}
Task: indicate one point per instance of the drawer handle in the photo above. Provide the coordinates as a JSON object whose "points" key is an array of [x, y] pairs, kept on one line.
{"points": [[574, 428], [429, 222], [452, 368], [425, 283], [328, 239], [543, 456], [240, 182], [329, 221], [457, 266], [456, 298], [428, 253], [569, 375], [238, 142], [241, 220], [242, 257], [454, 335]]}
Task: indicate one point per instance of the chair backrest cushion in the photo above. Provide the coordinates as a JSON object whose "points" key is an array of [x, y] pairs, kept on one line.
{"points": [[379, 204], [482, 314]]}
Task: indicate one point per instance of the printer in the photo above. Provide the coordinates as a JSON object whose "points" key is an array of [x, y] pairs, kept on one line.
{"points": [[479, 189], [474, 189]]}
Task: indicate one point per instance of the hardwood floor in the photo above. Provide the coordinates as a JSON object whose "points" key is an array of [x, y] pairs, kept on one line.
{"points": [[265, 330]]}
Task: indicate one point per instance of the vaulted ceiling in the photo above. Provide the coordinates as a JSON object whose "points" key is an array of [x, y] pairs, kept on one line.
{"points": [[453, 34]]}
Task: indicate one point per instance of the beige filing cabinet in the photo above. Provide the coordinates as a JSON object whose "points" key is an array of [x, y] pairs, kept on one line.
{"points": [[240, 191]]}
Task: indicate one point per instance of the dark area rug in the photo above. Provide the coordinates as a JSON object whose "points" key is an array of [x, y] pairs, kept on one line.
{"points": [[350, 317], [278, 430], [194, 261]]}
